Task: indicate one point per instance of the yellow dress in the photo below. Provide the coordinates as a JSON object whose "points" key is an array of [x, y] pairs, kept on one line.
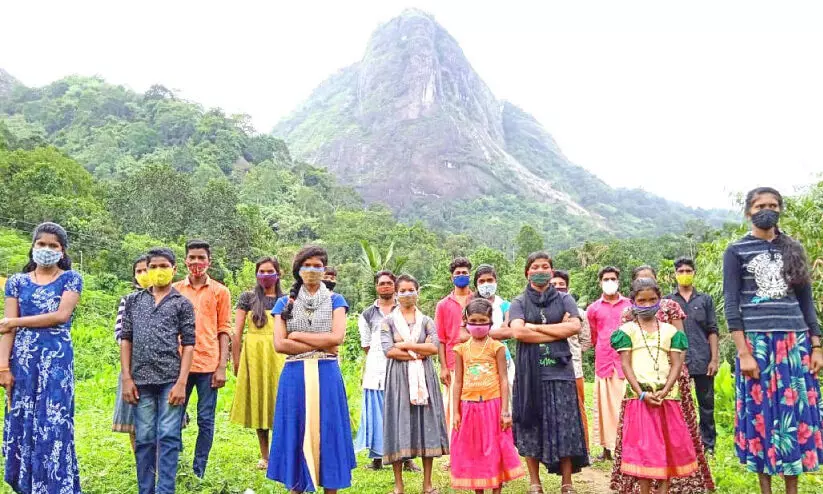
{"points": [[257, 377]]}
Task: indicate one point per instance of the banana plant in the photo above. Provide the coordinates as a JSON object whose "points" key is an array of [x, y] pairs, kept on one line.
{"points": [[372, 260]]}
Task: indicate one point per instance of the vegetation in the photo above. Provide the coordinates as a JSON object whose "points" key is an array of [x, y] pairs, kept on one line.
{"points": [[125, 172]]}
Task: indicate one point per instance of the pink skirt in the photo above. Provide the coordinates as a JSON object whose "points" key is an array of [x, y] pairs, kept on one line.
{"points": [[483, 455], [656, 442]]}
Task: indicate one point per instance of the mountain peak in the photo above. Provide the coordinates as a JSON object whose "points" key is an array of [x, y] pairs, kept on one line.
{"points": [[411, 65], [413, 125]]}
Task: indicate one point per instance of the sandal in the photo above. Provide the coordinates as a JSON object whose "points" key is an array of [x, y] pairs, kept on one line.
{"points": [[567, 489], [535, 489], [262, 464], [433, 491]]}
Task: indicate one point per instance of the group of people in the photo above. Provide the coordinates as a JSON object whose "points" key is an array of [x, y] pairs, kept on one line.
{"points": [[511, 372]]}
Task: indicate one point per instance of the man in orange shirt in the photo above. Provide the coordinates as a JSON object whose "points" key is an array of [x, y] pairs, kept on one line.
{"points": [[212, 311]]}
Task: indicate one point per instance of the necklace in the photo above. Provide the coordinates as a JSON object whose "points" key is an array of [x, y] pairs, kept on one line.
{"points": [[482, 350], [37, 279], [656, 356]]}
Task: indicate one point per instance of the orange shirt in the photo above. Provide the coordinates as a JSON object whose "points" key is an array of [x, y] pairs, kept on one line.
{"points": [[212, 316], [481, 381]]}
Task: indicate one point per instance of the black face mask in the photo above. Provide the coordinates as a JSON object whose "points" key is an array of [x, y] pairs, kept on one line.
{"points": [[330, 284], [765, 219]]}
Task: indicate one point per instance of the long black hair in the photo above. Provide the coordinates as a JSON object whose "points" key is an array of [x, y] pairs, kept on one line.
{"points": [[305, 253], [259, 312], [795, 263], [62, 237]]}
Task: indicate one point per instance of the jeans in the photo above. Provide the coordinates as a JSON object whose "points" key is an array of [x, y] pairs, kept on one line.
{"points": [[704, 387], [157, 439], [206, 408]]}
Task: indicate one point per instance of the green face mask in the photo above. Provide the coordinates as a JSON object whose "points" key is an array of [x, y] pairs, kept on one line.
{"points": [[540, 278], [685, 279]]}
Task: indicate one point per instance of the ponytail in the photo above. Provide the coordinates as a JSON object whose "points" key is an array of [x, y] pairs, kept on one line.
{"points": [[293, 292], [795, 263]]}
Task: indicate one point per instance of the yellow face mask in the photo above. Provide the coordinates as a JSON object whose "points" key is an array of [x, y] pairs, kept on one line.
{"points": [[685, 279], [161, 277], [143, 279]]}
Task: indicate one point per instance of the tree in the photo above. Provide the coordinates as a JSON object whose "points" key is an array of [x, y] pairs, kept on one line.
{"points": [[156, 201], [528, 241], [590, 253]]}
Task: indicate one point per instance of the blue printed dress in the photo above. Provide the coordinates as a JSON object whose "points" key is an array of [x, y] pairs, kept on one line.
{"points": [[38, 437]]}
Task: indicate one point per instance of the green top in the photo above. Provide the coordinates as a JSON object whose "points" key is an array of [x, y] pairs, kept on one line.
{"points": [[650, 354]]}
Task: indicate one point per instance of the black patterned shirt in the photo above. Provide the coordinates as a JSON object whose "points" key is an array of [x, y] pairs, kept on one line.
{"points": [[156, 331]]}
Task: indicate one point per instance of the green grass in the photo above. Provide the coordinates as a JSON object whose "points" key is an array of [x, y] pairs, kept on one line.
{"points": [[107, 464]]}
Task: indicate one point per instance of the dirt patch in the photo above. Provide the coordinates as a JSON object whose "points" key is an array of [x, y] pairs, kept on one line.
{"points": [[591, 481]]}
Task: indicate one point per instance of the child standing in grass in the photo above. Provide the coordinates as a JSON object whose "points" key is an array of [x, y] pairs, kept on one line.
{"points": [[656, 444], [483, 455]]}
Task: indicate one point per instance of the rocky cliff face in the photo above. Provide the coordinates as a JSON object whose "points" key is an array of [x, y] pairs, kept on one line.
{"points": [[412, 121]]}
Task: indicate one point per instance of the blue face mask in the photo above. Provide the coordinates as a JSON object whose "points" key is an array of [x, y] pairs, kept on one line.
{"points": [[462, 281], [46, 257], [646, 312]]}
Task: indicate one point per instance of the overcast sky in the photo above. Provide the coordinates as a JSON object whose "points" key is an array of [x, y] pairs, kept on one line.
{"points": [[694, 101]]}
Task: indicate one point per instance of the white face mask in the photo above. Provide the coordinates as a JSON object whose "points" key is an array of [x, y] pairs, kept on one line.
{"points": [[487, 290], [610, 287]]}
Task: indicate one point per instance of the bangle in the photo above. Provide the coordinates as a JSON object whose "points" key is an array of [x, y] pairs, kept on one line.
{"points": [[642, 395], [506, 415], [4, 369]]}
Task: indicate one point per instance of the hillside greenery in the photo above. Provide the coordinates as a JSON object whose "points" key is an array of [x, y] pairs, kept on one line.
{"points": [[124, 172], [117, 135]]}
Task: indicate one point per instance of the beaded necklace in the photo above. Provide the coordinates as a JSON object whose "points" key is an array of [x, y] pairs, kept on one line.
{"points": [[655, 356]]}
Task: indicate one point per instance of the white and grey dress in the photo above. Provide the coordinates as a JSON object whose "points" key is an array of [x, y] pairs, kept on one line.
{"points": [[410, 430]]}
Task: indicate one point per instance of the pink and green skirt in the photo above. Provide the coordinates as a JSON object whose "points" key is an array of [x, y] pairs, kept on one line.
{"points": [[656, 441]]}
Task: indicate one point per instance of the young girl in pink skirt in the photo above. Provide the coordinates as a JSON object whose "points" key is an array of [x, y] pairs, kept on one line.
{"points": [[483, 455], [656, 442]]}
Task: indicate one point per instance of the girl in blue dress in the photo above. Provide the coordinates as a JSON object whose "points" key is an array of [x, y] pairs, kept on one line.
{"points": [[37, 369], [312, 444]]}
